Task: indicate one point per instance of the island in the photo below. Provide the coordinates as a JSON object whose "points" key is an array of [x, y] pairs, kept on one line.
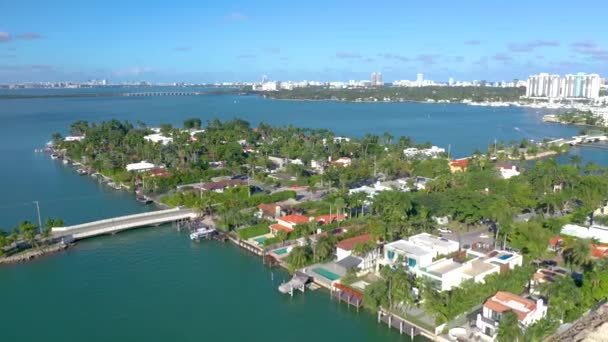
{"points": [[384, 223]]}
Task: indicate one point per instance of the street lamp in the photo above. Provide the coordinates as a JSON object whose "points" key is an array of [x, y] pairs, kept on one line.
{"points": [[39, 219]]}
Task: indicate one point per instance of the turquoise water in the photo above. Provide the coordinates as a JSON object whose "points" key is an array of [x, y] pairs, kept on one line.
{"points": [[153, 284], [261, 240], [281, 251], [326, 273]]}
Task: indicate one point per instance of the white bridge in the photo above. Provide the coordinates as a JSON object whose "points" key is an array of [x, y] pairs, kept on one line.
{"points": [[117, 224]]}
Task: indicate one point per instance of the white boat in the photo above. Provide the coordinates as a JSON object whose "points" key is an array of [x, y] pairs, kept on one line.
{"points": [[54, 156], [201, 233], [66, 162]]}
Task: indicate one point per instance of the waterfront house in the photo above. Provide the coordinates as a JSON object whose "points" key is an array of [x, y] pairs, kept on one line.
{"points": [[142, 166], [345, 247], [439, 245], [459, 165], [448, 273], [159, 172], [70, 138], [403, 253], [270, 211], [288, 223], [432, 152], [527, 311]]}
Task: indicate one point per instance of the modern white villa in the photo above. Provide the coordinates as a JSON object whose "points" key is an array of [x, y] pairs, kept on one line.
{"points": [[447, 273], [527, 311], [597, 232], [418, 251]]}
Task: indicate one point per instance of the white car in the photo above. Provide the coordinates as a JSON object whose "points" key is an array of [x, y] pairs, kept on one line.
{"points": [[444, 230]]}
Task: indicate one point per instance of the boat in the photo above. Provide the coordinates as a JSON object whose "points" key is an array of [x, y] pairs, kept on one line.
{"points": [[81, 172], [66, 162], [201, 233], [117, 186], [144, 199], [54, 156]]}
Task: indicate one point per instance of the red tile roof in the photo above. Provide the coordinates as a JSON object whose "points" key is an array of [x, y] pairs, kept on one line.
{"points": [[348, 290], [268, 208], [460, 162], [599, 251], [499, 303], [280, 227], [554, 241], [506, 166], [330, 218], [159, 172], [351, 243], [294, 219]]}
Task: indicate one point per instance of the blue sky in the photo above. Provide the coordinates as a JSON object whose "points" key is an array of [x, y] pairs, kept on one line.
{"points": [[204, 41]]}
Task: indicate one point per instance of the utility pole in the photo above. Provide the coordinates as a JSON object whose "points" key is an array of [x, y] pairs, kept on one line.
{"points": [[39, 219]]}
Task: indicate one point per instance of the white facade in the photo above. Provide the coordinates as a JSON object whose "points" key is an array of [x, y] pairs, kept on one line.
{"points": [[432, 152], [526, 310], [158, 138], [142, 166], [405, 253], [439, 245], [508, 171], [446, 274], [581, 85], [594, 232], [74, 138]]}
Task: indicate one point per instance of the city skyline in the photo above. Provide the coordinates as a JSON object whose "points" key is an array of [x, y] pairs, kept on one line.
{"points": [[186, 41]]}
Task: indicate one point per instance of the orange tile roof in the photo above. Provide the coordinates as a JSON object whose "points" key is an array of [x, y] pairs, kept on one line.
{"points": [[348, 290], [280, 227], [330, 218], [460, 162], [498, 303], [294, 219], [599, 251], [268, 208], [350, 243], [555, 240]]}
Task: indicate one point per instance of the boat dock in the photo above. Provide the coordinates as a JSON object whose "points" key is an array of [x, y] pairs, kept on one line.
{"points": [[202, 233], [405, 326], [297, 282], [346, 294]]}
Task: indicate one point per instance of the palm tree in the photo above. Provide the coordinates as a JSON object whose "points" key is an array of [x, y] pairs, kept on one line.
{"points": [[508, 329], [579, 252], [576, 161]]}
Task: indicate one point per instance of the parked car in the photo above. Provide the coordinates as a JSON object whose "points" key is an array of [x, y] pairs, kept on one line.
{"points": [[444, 230]]}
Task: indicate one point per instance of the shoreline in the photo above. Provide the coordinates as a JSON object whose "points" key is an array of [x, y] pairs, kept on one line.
{"points": [[34, 253]]}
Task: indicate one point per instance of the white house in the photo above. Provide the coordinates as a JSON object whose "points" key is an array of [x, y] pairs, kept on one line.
{"points": [[439, 245], [507, 171], [594, 232], [413, 152], [446, 274], [158, 138], [142, 166], [406, 253], [345, 247], [74, 138], [526, 310]]}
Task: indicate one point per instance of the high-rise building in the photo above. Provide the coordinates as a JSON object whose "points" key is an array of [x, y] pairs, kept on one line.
{"points": [[419, 79], [376, 79], [581, 85], [451, 81], [264, 78]]}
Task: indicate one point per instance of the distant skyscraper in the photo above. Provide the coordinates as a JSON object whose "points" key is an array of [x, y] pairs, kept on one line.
{"points": [[580, 85], [419, 79], [376, 79], [264, 78], [451, 81]]}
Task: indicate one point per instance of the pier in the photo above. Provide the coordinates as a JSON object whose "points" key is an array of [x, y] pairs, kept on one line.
{"points": [[298, 282], [405, 326], [117, 224]]}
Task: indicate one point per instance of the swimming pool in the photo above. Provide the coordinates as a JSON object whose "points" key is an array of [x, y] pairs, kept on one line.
{"points": [[326, 273], [505, 256], [261, 240], [280, 251]]}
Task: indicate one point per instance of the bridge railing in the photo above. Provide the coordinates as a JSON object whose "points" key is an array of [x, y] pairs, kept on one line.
{"points": [[121, 218]]}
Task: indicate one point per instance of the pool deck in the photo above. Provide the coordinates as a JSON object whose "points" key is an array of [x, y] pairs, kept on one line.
{"points": [[319, 278]]}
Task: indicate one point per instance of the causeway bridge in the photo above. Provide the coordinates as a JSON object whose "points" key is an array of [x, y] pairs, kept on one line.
{"points": [[166, 93], [117, 224]]}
